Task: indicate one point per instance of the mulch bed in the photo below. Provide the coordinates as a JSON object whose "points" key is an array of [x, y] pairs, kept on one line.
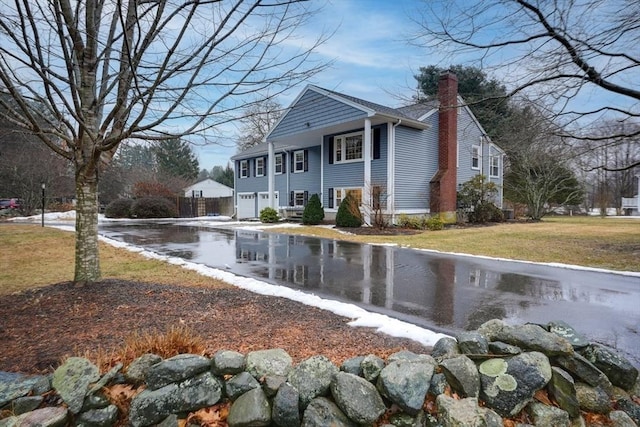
{"points": [[38, 328]]}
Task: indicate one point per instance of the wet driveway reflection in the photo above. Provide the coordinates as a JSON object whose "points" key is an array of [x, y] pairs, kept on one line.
{"points": [[441, 292]]}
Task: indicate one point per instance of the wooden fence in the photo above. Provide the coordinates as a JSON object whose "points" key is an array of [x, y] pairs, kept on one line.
{"points": [[191, 207]]}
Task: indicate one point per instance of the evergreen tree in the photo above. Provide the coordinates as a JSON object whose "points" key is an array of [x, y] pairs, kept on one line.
{"points": [[486, 97], [175, 158], [349, 213], [313, 213], [223, 175]]}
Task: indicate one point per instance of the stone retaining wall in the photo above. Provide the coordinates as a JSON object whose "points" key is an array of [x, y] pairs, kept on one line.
{"points": [[480, 378]]}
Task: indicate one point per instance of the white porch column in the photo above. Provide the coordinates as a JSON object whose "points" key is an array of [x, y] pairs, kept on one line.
{"points": [[366, 193], [271, 175]]}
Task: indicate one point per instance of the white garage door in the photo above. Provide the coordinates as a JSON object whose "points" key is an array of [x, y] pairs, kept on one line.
{"points": [[246, 205], [263, 200]]}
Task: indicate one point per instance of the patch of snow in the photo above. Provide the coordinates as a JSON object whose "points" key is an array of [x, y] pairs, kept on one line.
{"points": [[360, 316]]}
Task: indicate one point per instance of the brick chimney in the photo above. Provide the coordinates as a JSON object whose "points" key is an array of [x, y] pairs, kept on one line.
{"points": [[444, 183]]}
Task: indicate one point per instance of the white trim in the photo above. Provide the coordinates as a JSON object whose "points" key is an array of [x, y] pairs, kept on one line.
{"points": [[260, 160], [295, 161], [276, 157], [344, 190], [321, 170], [491, 158], [391, 166], [413, 211], [367, 154], [296, 193], [245, 163], [479, 151], [341, 140]]}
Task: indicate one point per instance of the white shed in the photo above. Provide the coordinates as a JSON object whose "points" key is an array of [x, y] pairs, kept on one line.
{"points": [[208, 188]]}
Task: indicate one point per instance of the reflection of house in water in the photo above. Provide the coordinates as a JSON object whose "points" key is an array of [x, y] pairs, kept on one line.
{"points": [[442, 290]]}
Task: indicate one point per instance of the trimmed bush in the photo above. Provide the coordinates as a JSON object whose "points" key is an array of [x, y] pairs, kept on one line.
{"points": [[349, 213], [153, 207], [269, 215], [119, 208], [412, 222], [486, 212], [434, 223], [313, 213]]}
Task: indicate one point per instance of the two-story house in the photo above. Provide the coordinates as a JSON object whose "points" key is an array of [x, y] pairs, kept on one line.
{"points": [[407, 160]]}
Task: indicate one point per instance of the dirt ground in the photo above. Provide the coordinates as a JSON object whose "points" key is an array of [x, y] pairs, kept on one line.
{"points": [[40, 327]]}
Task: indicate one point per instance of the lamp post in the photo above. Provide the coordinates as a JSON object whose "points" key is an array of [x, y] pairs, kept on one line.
{"points": [[43, 187]]}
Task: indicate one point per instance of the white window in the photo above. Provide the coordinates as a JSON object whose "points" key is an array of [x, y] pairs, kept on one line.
{"points": [[260, 166], [244, 168], [494, 166], [348, 147], [298, 198], [475, 157], [340, 193], [298, 161], [279, 162]]}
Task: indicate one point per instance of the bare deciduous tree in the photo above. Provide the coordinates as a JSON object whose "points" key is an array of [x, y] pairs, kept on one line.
{"points": [[110, 70], [556, 50], [538, 165], [257, 122]]}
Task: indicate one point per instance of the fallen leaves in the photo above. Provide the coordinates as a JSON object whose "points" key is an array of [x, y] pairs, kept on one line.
{"points": [[214, 416]]}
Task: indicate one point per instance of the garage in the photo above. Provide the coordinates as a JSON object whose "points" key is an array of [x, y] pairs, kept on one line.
{"points": [[263, 200], [246, 205]]}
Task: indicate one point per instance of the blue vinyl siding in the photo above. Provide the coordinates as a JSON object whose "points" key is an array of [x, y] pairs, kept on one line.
{"points": [[416, 163], [469, 134], [318, 111], [348, 175], [252, 183], [286, 182], [305, 181], [379, 166]]}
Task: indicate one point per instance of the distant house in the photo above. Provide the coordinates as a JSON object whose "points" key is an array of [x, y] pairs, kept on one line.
{"points": [[409, 160], [208, 188]]}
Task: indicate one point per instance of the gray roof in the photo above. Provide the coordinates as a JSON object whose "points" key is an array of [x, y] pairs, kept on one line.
{"points": [[411, 112]]}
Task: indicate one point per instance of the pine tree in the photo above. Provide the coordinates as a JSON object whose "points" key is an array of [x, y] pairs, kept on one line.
{"points": [[313, 213], [349, 213]]}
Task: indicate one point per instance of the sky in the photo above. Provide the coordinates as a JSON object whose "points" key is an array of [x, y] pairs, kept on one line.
{"points": [[371, 56], [373, 59]]}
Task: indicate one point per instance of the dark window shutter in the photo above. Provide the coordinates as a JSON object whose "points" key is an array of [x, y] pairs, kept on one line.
{"points": [[376, 143], [255, 166], [306, 198], [306, 160], [266, 162], [284, 162], [330, 198], [293, 158], [292, 195], [331, 150]]}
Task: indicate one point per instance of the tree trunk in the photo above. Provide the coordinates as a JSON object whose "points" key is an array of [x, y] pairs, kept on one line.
{"points": [[87, 255]]}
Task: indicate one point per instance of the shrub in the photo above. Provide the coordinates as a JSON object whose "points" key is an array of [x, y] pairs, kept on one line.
{"points": [[151, 189], [434, 223], [475, 198], [269, 215], [412, 222], [119, 208], [486, 212], [153, 207], [349, 213], [313, 213]]}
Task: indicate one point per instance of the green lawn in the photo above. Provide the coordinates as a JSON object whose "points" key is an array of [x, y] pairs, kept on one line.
{"points": [[32, 256]]}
